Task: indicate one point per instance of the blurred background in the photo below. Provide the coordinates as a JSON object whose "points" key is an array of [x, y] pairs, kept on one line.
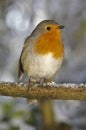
{"points": [[17, 20]]}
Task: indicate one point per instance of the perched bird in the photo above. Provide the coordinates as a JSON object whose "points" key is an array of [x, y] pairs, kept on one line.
{"points": [[43, 52]]}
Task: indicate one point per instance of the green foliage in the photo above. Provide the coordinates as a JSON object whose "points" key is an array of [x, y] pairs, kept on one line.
{"points": [[14, 128]]}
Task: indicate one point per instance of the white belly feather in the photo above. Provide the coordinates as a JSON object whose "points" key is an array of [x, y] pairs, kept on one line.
{"points": [[43, 65]]}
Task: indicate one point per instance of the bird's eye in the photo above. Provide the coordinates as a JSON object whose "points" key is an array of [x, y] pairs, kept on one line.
{"points": [[48, 28]]}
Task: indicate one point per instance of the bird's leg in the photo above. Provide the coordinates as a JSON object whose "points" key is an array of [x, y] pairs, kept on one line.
{"points": [[30, 82], [41, 82], [33, 82], [44, 82]]}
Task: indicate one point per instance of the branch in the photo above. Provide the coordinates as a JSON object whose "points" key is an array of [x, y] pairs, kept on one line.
{"points": [[58, 91]]}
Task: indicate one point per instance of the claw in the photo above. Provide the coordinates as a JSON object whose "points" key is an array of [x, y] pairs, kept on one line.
{"points": [[49, 84]]}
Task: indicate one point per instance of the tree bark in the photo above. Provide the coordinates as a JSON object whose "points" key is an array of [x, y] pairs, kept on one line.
{"points": [[58, 91]]}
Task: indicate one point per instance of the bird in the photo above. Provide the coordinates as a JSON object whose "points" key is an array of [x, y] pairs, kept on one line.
{"points": [[43, 53]]}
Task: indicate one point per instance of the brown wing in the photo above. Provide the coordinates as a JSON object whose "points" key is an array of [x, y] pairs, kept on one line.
{"points": [[20, 71], [20, 67]]}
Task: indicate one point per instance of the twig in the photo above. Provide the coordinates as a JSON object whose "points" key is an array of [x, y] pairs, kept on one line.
{"points": [[58, 91]]}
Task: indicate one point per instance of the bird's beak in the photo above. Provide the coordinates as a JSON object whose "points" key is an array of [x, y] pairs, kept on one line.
{"points": [[60, 27]]}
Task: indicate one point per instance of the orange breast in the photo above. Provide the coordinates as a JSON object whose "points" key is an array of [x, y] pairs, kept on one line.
{"points": [[49, 42]]}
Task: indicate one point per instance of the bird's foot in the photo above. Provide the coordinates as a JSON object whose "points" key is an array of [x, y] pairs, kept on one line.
{"points": [[32, 85], [49, 84]]}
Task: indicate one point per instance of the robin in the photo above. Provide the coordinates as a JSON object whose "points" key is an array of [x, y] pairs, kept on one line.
{"points": [[43, 51]]}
